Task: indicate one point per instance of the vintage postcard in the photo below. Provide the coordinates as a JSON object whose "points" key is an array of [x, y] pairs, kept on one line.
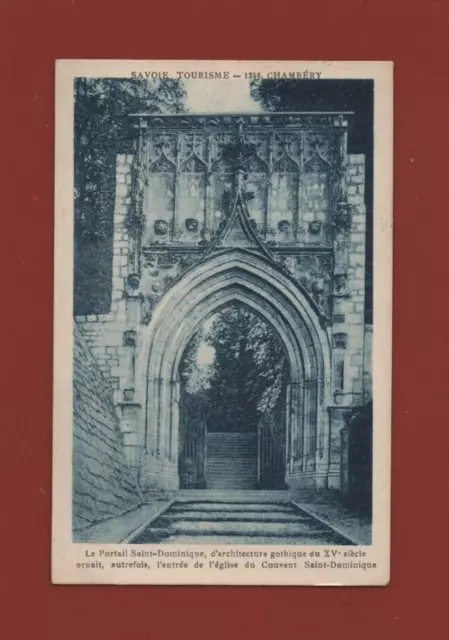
{"points": [[223, 302]]}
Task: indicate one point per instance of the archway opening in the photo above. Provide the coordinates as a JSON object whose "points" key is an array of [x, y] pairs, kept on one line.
{"points": [[234, 376], [235, 277]]}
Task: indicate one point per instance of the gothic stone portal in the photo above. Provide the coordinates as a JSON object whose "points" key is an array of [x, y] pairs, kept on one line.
{"points": [[267, 211], [236, 275]]}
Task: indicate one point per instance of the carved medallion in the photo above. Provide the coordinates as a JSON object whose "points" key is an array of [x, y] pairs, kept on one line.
{"points": [[160, 227]]}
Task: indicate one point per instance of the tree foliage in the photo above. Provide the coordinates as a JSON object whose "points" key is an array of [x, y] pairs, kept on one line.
{"points": [[247, 375], [326, 95], [101, 131], [333, 95]]}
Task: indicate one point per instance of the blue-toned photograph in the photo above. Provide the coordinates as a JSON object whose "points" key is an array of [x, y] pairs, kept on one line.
{"points": [[223, 303]]}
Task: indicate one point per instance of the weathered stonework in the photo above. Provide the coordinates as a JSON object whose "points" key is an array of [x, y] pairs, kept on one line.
{"points": [[268, 210], [103, 483]]}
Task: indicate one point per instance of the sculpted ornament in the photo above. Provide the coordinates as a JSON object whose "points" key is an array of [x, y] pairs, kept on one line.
{"points": [[162, 267], [339, 340], [315, 227], [161, 227], [148, 306]]}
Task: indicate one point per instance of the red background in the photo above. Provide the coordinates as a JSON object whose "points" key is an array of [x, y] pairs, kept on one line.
{"points": [[414, 34]]}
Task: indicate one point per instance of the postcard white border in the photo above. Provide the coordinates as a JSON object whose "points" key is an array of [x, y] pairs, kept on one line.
{"points": [[66, 554]]}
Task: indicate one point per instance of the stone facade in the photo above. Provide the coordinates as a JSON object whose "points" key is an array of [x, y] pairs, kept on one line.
{"points": [[103, 485], [268, 210]]}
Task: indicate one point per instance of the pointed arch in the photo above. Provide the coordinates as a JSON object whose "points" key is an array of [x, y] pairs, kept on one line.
{"points": [[162, 165], [316, 163], [255, 164], [193, 164], [238, 231], [229, 276], [286, 164], [222, 166]]}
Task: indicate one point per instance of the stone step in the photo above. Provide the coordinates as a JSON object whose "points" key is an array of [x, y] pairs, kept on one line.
{"points": [[226, 454], [230, 471], [235, 463], [258, 497], [213, 477], [224, 449], [229, 484], [215, 454], [234, 516], [233, 507], [228, 442], [185, 527], [238, 518], [149, 538], [234, 447], [156, 534], [232, 442], [231, 435], [231, 460], [231, 475], [232, 463]]}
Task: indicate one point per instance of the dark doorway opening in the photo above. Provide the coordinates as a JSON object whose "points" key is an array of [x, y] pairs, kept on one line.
{"points": [[233, 373]]}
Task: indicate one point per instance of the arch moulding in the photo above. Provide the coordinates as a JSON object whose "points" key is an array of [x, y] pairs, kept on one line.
{"points": [[235, 275]]}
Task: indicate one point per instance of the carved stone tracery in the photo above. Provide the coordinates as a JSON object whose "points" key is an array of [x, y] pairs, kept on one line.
{"points": [[287, 170]]}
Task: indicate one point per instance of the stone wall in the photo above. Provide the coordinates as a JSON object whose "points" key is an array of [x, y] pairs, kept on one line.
{"points": [[348, 330], [349, 307], [104, 333], [103, 484]]}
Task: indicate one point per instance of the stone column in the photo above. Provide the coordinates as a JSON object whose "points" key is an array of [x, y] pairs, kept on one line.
{"points": [[129, 344], [133, 309], [290, 437], [174, 424], [128, 409], [129, 419], [337, 423], [297, 430], [322, 453], [152, 417], [165, 419], [157, 416], [307, 426], [268, 218], [153, 444], [206, 231], [175, 221]]}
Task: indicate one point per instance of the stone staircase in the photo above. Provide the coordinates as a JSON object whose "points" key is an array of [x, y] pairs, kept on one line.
{"points": [[231, 461], [238, 519]]}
